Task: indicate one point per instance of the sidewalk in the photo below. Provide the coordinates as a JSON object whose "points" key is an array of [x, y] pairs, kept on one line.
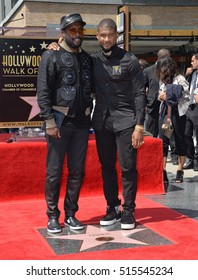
{"points": [[181, 197]]}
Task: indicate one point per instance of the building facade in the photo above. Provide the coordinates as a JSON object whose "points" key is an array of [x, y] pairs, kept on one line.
{"points": [[153, 24]]}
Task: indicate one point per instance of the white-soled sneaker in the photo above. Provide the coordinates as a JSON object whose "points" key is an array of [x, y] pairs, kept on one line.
{"points": [[53, 226], [128, 220], [113, 215], [73, 223]]}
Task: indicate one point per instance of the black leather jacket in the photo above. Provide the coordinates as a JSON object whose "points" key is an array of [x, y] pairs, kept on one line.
{"points": [[64, 85]]}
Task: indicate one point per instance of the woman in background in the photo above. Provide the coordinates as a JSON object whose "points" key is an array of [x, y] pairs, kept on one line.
{"points": [[174, 96]]}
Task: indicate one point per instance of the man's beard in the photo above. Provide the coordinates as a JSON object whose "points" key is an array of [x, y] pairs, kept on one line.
{"points": [[70, 42]]}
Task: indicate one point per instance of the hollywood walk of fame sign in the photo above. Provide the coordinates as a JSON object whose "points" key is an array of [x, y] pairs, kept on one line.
{"points": [[19, 61]]}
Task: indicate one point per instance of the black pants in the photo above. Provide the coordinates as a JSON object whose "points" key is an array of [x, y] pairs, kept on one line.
{"points": [[152, 124], [190, 130], [109, 145], [73, 143], [179, 124]]}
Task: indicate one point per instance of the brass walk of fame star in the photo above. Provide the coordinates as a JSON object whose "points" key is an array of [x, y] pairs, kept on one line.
{"points": [[95, 236]]}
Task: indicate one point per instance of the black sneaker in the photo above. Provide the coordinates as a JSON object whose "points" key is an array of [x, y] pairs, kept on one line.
{"points": [[113, 215], [189, 164], [127, 220], [53, 226], [73, 223]]}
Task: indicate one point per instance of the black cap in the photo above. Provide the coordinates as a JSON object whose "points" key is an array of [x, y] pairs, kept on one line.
{"points": [[65, 21]]}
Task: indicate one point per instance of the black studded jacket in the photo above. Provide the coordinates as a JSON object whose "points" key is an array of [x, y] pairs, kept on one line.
{"points": [[64, 86]]}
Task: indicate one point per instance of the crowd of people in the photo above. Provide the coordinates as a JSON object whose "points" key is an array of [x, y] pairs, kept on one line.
{"points": [[173, 97]]}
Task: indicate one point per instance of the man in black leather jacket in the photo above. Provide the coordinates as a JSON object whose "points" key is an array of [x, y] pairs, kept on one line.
{"points": [[118, 120], [64, 97]]}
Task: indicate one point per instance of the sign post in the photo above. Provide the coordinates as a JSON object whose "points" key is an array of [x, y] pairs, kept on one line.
{"points": [[123, 25]]}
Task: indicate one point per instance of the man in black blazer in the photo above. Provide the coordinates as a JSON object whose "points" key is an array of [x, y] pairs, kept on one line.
{"points": [[152, 89], [192, 119], [118, 121]]}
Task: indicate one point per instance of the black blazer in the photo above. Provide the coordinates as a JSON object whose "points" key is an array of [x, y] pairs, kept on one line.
{"points": [[151, 82], [119, 87]]}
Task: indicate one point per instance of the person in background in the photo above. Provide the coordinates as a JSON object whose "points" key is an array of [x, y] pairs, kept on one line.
{"points": [[118, 121], [174, 97], [189, 73], [192, 119], [144, 64], [64, 96], [189, 164], [153, 104], [152, 89]]}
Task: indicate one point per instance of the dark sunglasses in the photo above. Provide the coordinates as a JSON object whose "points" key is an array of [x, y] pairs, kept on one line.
{"points": [[74, 31]]}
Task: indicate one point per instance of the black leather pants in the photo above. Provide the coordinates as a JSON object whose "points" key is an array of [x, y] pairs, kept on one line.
{"points": [[73, 144]]}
